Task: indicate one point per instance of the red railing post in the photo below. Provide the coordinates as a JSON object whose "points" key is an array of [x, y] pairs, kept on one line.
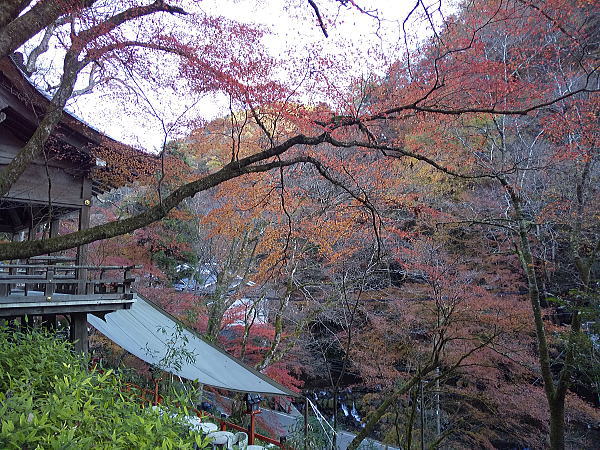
{"points": [[251, 430], [156, 397], [252, 426]]}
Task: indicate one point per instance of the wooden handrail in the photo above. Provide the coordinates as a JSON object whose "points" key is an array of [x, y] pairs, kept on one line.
{"points": [[157, 399], [225, 424], [58, 280], [66, 279], [65, 299], [52, 258], [64, 268]]}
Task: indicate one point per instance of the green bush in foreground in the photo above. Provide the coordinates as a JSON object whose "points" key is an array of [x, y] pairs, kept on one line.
{"points": [[49, 401]]}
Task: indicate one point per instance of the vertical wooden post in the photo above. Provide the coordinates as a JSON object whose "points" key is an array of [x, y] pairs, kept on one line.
{"points": [[30, 237], [102, 287], [84, 224], [49, 320], [6, 288], [251, 428], [17, 237], [79, 333], [50, 284], [127, 282]]}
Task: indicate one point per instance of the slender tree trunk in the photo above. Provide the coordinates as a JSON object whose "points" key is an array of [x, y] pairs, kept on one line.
{"points": [[555, 393], [278, 323], [393, 397], [269, 357], [248, 323], [411, 419], [215, 317], [557, 424], [376, 416], [335, 417]]}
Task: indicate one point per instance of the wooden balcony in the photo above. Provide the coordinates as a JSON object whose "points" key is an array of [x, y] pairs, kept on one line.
{"points": [[50, 285]]}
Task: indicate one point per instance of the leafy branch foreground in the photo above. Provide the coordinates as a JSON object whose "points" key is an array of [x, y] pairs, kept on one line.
{"points": [[48, 401]]}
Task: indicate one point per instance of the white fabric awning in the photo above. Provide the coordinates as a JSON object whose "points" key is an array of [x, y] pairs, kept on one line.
{"points": [[159, 339]]}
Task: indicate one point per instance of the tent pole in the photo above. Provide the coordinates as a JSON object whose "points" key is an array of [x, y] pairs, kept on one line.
{"points": [[305, 423]]}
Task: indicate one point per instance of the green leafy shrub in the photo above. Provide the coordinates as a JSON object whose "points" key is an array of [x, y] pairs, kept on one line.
{"points": [[48, 400]]}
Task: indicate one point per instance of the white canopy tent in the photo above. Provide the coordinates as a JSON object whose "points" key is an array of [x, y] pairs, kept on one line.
{"points": [[158, 338]]}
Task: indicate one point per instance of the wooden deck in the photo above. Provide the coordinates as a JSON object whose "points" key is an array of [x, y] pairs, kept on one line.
{"points": [[47, 285]]}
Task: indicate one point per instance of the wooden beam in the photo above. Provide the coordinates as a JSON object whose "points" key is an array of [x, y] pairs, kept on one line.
{"points": [[41, 279], [65, 267], [64, 299], [62, 309]]}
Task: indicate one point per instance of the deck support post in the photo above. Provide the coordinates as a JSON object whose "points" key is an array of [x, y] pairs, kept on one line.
{"points": [[79, 332]]}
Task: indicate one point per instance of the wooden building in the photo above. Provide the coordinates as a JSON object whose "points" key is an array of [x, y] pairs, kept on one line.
{"points": [[62, 183]]}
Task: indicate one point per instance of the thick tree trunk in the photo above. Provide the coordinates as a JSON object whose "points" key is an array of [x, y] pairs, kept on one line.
{"points": [[35, 145], [24, 27], [15, 32], [26, 249], [17, 29], [10, 9]]}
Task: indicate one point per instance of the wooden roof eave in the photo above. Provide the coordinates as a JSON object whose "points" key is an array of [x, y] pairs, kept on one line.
{"points": [[72, 130]]}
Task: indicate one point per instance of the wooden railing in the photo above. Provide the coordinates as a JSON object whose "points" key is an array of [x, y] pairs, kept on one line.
{"points": [[71, 280], [252, 434], [152, 397]]}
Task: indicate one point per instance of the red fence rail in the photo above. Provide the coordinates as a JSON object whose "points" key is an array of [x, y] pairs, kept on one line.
{"points": [[152, 397]]}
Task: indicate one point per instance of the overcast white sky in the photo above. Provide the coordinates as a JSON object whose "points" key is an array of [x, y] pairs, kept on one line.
{"points": [[360, 42]]}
